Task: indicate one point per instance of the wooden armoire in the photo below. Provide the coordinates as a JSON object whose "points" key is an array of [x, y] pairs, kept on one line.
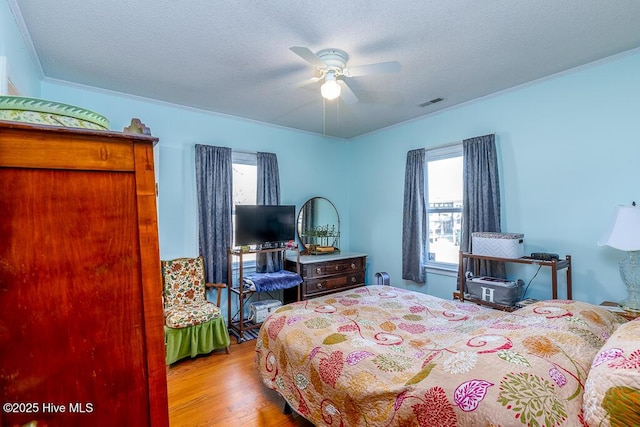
{"points": [[81, 319]]}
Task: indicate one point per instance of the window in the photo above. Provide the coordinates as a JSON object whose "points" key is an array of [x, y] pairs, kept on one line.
{"points": [[444, 205], [245, 184], [245, 178]]}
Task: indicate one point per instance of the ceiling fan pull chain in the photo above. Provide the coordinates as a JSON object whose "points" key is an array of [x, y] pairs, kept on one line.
{"points": [[337, 115], [324, 116]]}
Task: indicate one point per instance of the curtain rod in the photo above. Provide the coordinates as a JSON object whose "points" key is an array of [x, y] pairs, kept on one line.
{"points": [[449, 144], [445, 145]]}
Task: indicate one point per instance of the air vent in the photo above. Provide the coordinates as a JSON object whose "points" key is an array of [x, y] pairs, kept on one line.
{"points": [[433, 101]]}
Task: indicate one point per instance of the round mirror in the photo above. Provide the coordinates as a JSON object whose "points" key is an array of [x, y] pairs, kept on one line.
{"points": [[319, 227]]}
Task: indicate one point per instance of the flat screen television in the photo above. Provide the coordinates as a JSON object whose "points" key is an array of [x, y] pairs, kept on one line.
{"points": [[260, 224]]}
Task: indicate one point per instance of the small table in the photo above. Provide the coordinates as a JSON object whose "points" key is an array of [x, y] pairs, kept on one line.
{"points": [[627, 314]]}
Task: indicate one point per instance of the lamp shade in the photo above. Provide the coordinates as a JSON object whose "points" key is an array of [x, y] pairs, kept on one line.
{"points": [[624, 230]]}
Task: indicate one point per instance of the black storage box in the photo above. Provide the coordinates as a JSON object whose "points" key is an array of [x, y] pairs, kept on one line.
{"points": [[497, 291]]}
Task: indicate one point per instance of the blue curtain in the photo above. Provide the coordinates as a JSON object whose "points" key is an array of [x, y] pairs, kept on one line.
{"points": [[268, 194], [481, 197], [214, 188], [414, 220]]}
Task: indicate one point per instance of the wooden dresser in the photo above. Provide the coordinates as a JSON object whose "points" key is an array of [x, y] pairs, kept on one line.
{"points": [[81, 319], [327, 274]]}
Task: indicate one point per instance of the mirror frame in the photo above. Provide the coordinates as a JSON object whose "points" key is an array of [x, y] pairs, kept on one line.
{"points": [[310, 249]]}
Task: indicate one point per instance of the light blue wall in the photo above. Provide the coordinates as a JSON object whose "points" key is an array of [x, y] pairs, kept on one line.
{"points": [[310, 165], [21, 69], [569, 151]]}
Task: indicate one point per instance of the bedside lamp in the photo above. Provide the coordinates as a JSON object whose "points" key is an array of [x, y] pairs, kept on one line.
{"points": [[624, 235]]}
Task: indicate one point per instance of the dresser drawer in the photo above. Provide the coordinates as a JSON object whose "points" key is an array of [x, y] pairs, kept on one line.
{"points": [[333, 267], [316, 286], [326, 275]]}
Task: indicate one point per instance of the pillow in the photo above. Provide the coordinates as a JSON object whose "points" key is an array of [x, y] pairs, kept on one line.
{"points": [[612, 389]]}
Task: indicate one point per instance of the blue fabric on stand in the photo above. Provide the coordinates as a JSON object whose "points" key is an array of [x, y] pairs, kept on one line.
{"points": [[263, 282]]}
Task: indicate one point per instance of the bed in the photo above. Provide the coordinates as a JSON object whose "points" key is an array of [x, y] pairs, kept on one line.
{"points": [[384, 356]]}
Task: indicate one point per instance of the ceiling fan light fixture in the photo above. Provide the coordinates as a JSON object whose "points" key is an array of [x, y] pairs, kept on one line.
{"points": [[330, 89]]}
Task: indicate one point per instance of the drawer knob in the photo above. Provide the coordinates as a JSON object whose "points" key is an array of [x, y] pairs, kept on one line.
{"points": [[319, 285], [353, 280], [337, 268], [353, 266], [318, 270]]}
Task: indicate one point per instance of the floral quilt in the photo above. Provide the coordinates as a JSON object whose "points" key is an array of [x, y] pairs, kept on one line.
{"points": [[383, 356], [612, 391]]}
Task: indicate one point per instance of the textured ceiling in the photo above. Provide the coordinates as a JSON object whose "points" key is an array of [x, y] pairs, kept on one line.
{"points": [[233, 57]]}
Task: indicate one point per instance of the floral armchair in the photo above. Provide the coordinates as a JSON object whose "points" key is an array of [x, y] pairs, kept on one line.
{"points": [[193, 325]]}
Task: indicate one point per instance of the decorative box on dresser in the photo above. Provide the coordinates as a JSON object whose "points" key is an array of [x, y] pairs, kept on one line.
{"points": [[327, 274], [81, 319]]}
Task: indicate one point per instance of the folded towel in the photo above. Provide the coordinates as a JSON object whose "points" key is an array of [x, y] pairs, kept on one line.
{"points": [[248, 284], [261, 282]]}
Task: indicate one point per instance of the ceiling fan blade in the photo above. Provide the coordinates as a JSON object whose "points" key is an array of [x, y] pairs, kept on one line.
{"points": [[297, 85], [306, 54], [346, 94], [305, 82], [379, 68]]}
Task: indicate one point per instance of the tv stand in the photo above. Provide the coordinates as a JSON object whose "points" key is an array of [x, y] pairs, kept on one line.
{"points": [[555, 264], [270, 245], [237, 322]]}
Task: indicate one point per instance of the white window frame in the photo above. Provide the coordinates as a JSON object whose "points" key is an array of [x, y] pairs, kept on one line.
{"points": [[432, 154], [242, 158]]}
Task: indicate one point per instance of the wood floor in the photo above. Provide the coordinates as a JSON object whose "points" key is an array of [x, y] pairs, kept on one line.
{"points": [[222, 389]]}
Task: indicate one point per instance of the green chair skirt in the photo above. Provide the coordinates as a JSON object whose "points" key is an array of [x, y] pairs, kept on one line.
{"points": [[194, 340]]}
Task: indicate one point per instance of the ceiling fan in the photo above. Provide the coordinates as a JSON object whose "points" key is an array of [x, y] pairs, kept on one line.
{"points": [[331, 66]]}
